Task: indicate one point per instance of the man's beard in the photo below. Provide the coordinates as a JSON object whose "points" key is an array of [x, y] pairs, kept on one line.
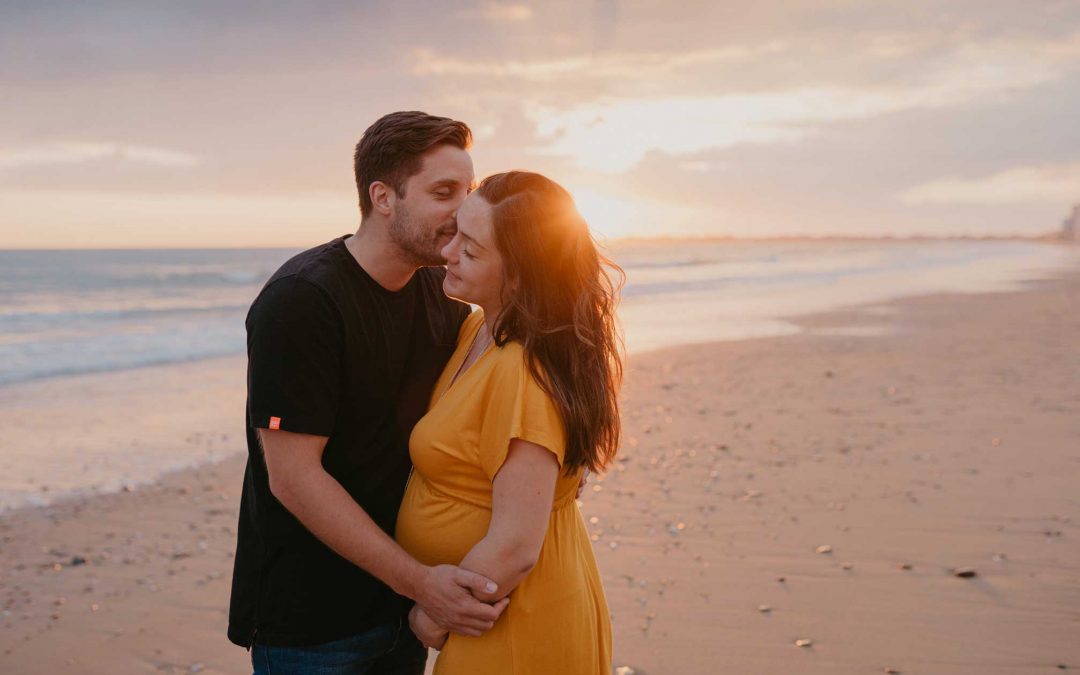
{"points": [[418, 246]]}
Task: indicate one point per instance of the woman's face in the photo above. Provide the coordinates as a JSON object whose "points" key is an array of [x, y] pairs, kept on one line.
{"points": [[474, 266]]}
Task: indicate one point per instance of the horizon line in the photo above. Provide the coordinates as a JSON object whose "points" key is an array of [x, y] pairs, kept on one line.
{"points": [[705, 238]]}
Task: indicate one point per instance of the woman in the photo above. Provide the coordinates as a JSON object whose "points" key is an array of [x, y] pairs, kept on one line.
{"points": [[526, 404]]}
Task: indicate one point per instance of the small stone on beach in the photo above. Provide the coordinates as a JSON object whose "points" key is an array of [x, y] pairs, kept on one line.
{"points": [[804, 642], [964, 572], [824, 548]]}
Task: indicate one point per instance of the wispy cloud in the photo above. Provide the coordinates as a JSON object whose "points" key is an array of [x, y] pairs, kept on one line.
{"points": [[638, 65], [79, 153], [1044, 183], [614, 135], [505, 11]]}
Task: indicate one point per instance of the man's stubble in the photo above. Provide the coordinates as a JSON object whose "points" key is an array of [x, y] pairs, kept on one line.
{"points": [[419, 245]]}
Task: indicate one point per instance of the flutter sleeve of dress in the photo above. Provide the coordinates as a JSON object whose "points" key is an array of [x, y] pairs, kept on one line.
{"points": [[517, 407]]}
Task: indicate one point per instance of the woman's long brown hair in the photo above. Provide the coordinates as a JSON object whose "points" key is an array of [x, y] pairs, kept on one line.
{"points": [[559, 302]]}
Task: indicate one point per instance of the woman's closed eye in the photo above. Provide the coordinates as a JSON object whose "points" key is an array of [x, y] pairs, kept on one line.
{"points": [[465, 252]]}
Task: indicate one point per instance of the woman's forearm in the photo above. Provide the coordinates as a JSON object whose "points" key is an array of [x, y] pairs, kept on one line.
{"points": [[506, 563], [521, 499]]}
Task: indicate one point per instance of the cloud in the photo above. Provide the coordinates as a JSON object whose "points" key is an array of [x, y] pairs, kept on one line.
{"points": [[614, 135], [1023, 184], [506, 12], [637, 65], [78, 153]]}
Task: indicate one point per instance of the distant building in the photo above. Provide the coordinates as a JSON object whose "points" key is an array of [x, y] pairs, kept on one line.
{"points": [[1070, 229]]}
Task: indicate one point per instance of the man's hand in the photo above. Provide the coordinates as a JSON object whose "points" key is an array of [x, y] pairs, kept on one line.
{"points": [[430, 634], [446, 596]]}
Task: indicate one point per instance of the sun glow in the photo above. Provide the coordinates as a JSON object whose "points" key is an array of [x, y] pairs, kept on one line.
{"points": [[613, 217]]}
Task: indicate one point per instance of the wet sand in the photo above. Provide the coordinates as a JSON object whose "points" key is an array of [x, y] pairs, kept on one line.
{"points": [[825, 486]]}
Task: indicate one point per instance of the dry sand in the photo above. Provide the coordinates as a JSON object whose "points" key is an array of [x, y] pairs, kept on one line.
{"points": [[912, 439]]}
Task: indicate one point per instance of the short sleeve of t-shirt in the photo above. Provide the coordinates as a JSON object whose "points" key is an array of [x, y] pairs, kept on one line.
{"points": [[294, 359], [517, 407]]}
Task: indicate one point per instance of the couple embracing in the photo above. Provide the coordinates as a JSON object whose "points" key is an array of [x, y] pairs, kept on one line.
{"points": [[413, 465]]}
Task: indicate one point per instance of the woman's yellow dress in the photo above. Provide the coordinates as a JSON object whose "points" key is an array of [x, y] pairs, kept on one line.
{"points": [[557, 621]]}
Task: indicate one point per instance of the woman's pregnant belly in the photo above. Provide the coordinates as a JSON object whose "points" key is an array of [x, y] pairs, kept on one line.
{"points": [[435, 528]]}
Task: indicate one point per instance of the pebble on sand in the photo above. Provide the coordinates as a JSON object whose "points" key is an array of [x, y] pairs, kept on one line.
{"points": [[804, 642], [824, 548], [964, 572]]}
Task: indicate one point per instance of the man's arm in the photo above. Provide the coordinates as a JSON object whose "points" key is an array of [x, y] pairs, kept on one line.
{"points": [[299, 481]]}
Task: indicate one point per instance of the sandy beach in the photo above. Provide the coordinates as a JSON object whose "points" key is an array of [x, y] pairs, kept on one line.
{"points": [[825, 487]]}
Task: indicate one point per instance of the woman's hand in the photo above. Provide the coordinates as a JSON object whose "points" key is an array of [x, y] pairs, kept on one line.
{"points": [[431, 634], [584, 481]]}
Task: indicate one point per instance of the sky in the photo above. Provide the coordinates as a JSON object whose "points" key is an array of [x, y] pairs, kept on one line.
{"points": [[210, 124]]}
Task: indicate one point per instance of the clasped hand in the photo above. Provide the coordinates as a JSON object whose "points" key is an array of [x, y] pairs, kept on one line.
{"points": [[454, 599], [430, 634]]}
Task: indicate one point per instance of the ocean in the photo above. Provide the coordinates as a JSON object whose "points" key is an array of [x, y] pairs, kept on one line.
{"points": [[65, 313]]}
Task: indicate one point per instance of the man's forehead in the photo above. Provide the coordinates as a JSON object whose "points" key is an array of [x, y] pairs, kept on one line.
{"points": [[446, 164]]}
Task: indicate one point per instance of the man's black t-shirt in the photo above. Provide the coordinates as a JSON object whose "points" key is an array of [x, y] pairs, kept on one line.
{"points": [[332, 353]]}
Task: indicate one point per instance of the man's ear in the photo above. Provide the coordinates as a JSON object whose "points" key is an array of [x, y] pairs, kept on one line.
{"points": [[382, 197]]}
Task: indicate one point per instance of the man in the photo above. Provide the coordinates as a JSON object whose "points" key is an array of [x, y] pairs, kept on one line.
{"points": [[345, 343]]}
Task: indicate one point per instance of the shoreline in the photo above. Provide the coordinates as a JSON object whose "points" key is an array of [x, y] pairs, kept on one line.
{"points": [[939, 443], [222, 375]]}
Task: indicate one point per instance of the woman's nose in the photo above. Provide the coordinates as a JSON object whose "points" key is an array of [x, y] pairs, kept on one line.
{"points": [[448, 250]]}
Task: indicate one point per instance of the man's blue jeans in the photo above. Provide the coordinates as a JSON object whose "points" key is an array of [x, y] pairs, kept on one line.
{"points": [[387, 649]]}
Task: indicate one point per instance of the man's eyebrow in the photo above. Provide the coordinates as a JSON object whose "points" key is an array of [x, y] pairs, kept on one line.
{"points": [[446, 182]]}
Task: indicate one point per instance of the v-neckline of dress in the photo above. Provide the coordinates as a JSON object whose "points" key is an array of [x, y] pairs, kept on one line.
{"points": [[461, 371]]}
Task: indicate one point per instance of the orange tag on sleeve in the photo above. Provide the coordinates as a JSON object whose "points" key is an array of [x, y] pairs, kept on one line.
{"points": [[275, 422]]}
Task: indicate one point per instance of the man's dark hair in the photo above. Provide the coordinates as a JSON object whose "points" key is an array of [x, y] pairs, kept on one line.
{"points": [[392, 149]]}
